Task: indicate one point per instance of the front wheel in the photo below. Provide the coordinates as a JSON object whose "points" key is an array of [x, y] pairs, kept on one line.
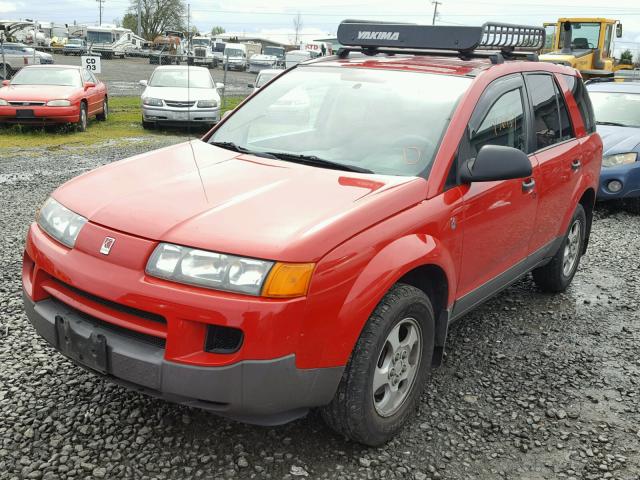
{"points": [[385, 376], [557, 275], [632, 205]]}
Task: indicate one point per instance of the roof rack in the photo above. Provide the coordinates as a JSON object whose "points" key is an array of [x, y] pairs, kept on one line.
{"points": [[505, 40]]}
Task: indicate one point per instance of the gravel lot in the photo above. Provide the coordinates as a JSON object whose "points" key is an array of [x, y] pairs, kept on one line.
{"points": [[122, 75], [534, 386]]}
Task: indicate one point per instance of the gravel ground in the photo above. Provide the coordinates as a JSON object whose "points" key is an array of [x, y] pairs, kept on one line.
{"points": [[122, 75], [534, 386]]}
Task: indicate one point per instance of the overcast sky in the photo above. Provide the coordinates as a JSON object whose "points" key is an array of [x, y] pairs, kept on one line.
{"points": [[322, 16]]}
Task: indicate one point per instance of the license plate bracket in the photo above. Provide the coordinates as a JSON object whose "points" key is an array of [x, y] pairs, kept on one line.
{"points": [[25, 113], [91, 352]]}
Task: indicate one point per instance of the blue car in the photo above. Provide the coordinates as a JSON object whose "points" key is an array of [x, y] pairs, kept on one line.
{"points": [[616, 106]]}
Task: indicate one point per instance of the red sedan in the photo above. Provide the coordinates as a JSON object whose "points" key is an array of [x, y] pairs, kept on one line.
{"points": [[53, 94]]}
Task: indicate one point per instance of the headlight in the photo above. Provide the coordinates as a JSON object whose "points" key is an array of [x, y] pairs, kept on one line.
{"points": [[60, 222], [619, 159], [207, 103], [208, 269], [3, 102], [58, 103], [154, 102], [220, 271]]}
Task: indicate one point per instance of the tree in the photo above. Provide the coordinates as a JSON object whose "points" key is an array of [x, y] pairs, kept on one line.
{"points": [[158, 16], [130, 21], [626, 57], [217, 30]]}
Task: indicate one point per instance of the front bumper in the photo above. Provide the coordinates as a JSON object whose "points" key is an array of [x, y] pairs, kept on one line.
{"points": [[155, 331], [182, 115], [39, 115], [628, 175]]}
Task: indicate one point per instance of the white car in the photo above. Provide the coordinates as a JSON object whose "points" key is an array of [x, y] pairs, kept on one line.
{"points": [[177, 95], [263, 77]]}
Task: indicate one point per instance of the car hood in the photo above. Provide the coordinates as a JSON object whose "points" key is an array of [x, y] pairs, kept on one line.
{"points": [[40, 93], [619, 139], [178, 94], [199, 195]]}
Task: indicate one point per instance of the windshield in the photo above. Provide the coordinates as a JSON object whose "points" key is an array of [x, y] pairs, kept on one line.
{"points": [[389, 122], [200, 42], [275, 51], [233, 52], [99, 37], [616, 107], [264, 78], [68, 77], [219, 47], [75, 41], [584, 35], [178, 78]]}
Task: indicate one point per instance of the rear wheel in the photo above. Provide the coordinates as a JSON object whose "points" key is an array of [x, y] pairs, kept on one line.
{"points": [[385, 376], [105, 111], [557, 275], [83, 121]]}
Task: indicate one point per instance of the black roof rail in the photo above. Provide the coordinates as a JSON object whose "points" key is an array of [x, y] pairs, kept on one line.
{"points": [[372, 37]]}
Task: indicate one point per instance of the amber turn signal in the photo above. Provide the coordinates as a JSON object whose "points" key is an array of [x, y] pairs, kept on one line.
{"points": [[287, 280]]}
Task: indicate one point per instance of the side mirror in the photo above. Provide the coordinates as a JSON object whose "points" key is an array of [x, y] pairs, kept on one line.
{"points": [[88, 85], [6, 83], [143, 83], [219, 85], [618, 30], [227, 113], [495, 162]]}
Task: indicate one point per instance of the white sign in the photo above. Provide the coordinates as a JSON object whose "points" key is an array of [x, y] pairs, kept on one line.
{"points": [[91, 63]]}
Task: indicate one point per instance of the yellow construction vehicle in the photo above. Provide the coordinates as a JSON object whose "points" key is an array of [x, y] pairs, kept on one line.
{"points": [[585, 44]]}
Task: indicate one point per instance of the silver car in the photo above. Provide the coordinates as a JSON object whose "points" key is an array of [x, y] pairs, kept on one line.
{"points": [[177, 95]]}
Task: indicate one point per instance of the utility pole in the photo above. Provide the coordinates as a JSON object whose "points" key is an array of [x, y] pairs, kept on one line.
{"points": [[435, 10], [139, 18], [100, 7]]}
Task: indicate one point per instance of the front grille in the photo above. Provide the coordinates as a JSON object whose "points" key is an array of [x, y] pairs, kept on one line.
{"points": [[28, 103], [201, 52], [178, 104], [96, 322], [223, 339], [154, 317]]}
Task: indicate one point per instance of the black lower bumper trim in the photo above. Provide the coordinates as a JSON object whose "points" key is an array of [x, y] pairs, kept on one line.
{"points": [[264, 392]]}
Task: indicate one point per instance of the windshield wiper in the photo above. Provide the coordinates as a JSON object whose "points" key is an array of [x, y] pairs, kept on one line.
{"points": [[318, 162], [612, 124], [237, 148]]}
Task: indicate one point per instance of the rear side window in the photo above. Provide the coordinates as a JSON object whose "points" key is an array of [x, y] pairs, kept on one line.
{"points": [[550, 117], [581, 97], [502, 125]]}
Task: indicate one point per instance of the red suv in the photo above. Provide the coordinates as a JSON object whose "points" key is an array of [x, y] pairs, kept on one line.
{"points": [[312, 249]]}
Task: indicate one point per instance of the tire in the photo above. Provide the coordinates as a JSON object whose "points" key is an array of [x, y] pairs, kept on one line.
{"points": [[81, 126], [556, 276], [105, 111], [358, 412], [147, 125]]}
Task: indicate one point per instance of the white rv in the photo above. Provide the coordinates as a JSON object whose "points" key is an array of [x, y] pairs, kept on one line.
{"points": [[109, 41]]}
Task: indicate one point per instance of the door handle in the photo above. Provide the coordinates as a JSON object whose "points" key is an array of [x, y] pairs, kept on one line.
{"points": [[528, 185], [576, 164]]}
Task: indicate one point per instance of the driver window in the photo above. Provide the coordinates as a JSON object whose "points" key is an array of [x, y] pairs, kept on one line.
{"points": [[502, 125]]}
